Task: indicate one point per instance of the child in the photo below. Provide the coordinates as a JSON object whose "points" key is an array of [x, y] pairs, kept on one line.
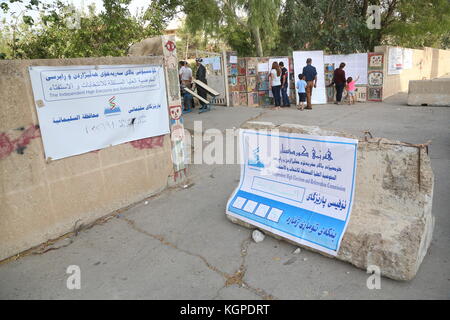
{"points": [[301, 89], [351, 87]]}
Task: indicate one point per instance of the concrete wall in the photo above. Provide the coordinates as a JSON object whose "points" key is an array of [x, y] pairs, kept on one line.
{"points": [[41, 201], [434, 92], [428, 63]]}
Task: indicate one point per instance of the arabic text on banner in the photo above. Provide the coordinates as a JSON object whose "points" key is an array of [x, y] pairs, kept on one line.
{"points": [[298, 186], [86, 108]]}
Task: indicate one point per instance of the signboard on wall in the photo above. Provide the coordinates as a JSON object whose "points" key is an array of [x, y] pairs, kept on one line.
{"points": [[300, 187], [86, 108], [395, 60], [319, 95]]}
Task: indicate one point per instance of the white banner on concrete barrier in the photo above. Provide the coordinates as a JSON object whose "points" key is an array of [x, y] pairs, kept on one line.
{"points": [[300, 187], [86, 108]]}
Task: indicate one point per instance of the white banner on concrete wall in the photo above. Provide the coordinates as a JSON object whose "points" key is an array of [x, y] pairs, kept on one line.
{"points": [[355, 65], [86, 108], [319, 94], [407, 58], [395, 60], [300, 187]]}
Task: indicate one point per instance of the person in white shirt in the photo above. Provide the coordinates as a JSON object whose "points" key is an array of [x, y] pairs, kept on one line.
{"points": [[275, 83], [185, 74]]}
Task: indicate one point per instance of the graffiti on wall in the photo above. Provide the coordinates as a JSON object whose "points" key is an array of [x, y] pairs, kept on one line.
{"points": [[18, 140], [148, 143]]}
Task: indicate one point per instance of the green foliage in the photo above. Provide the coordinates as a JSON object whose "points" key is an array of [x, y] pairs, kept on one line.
{"points": [[330, 25], [250, 27], [420, 23], [247, 26], [63, 32]]}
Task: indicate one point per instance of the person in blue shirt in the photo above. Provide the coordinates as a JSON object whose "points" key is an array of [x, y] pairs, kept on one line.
{"points": [[301, 89], [310, 74]]}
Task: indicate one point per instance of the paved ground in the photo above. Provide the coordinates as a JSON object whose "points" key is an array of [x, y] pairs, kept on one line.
{"points": [[180, 245]]}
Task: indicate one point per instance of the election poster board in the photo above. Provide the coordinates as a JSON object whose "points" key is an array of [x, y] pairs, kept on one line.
{"points": [[395, 60], [319, 95], [298, 186], [87, 108], [355, 65]]}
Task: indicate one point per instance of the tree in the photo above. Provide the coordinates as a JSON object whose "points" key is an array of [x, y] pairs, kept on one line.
{"points": [[63, 32], [330, 25], [339, 26], [419, 23], [248, 26]]}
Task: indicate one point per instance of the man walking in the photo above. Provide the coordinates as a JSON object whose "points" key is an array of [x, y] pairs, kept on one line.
{"points": [[310, 74], [284, 85], [201, 75]]}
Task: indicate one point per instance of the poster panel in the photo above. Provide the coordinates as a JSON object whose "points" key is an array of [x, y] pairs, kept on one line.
{"points": [[319, 95], [298, 186], [395, 60], [86, 108], [355, 65]]}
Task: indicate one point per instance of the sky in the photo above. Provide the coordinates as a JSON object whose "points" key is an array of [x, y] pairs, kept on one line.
{"points": [[134, 7]]}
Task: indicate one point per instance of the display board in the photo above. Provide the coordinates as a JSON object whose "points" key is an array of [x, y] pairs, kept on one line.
{"points": [[86, 108], [375, 76], [395, 60], [300, 187], [319, 94], [355, 65]]}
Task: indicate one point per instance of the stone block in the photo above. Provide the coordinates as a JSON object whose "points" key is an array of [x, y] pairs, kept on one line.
{"points": [[434, 92], [391, 224]]}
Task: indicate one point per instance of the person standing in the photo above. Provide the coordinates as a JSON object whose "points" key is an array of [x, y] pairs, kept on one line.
{"points": [[351, 88], [284, 85], [301, 89], [339, 82], [185, 74], [201, 75], [275, 83], [310, 74]]}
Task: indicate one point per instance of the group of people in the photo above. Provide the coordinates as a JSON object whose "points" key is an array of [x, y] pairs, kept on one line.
{"points": [[278, 83], [307, 80], [186, 81]]}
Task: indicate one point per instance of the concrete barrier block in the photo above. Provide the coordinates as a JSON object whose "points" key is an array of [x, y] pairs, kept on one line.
{"points": [[391, 225], [434, 92]]}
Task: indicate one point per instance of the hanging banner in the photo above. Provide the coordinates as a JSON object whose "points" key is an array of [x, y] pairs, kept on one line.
{"points": [[395, 60], [86, 108], [300, 187]]}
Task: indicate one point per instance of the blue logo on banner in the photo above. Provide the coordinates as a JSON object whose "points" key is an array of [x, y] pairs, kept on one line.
{"points": [[113, 107], [254, 159]]}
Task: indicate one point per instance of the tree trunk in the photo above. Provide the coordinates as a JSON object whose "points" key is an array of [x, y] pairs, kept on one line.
{"points": [[257, 36]]}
